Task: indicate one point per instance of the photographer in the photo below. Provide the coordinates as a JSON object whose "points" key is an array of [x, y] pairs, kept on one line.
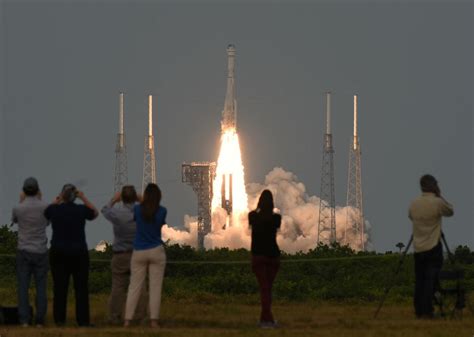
{"points": [[32, 253], [124, 226], [69, 254], [425, 213]]}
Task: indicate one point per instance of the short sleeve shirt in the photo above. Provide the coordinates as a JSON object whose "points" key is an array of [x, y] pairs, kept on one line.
{"points": [[68, 221]]}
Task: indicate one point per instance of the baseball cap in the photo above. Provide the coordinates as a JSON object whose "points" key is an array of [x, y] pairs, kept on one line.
{"points": [[30, 185]]}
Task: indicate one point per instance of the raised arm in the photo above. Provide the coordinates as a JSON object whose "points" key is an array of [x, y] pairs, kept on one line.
{"points": [[107, 209], [87, 203], [446, 208]]}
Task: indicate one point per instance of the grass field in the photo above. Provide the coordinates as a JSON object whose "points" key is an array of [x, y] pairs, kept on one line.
{"points": [[220, 316]]}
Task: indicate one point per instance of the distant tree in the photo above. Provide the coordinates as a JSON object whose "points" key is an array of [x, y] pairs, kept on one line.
{"points": [[400, 246], [463, 254], [8, 240]]}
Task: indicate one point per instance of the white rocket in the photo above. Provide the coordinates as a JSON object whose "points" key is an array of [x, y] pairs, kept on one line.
{"points": [[229, 114]]}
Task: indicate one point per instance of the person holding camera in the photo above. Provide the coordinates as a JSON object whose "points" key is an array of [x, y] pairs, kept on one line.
{"points": [[265, 224], [124, 227], [148, 255], [69, 255], [426, 213], [32, 252]]}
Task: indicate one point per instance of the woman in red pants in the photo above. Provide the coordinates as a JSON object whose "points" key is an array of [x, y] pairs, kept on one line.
{"points": [[265, 253]]}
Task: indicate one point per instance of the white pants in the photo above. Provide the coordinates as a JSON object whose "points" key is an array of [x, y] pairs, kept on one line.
{"points": [[153, 260]]}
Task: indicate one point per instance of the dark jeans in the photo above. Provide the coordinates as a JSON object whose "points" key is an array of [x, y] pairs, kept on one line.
{"points": [[427, 267], [63, 266], [265, 269], [27, 265]]}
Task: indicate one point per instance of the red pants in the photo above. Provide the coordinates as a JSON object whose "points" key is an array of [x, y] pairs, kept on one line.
{"points": [[266, 269]]}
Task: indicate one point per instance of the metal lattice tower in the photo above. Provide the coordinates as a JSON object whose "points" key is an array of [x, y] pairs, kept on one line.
{"points": [[200, 175], [121, 171], [355, 213], [327, 204], [149, 163]]}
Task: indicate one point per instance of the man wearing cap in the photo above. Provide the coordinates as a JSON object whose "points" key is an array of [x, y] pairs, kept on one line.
{"points": [[32, 253]]}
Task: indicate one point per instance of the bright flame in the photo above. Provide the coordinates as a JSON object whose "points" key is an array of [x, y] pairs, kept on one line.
{"points": [[230, 163]]}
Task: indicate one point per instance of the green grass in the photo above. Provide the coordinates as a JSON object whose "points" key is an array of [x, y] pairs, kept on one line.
{"points": [[210, 315]]}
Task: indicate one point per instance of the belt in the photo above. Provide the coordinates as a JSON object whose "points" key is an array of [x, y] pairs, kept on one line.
{"points": [[123, 252]]}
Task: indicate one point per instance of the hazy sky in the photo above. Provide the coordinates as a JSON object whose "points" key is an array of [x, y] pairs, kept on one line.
{"points": [[63, 64]]}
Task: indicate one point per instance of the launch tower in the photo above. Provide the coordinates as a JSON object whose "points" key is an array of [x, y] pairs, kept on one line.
{"points": [[355, 214], [200, 175], [121, 172], [149, 164], [327, 205]]}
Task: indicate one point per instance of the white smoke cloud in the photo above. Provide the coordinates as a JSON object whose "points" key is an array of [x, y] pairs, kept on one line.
{"points": [[300, 216], [186, 237]]}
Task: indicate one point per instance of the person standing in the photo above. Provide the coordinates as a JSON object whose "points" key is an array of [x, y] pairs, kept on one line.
{"points": [[425, 213], [32, 252], [264, 224], [148, 254], [69, 255], [124, 227]]}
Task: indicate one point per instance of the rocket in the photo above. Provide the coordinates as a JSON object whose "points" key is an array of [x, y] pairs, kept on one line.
{"points": [[229, 114]]}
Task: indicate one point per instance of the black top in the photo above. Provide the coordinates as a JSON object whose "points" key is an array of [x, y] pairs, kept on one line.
{"points": [[264, 230], [68, 221]]}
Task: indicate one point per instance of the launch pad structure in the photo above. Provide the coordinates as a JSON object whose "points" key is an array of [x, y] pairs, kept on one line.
{"points": [[200, 176], [121, 171], [355, 212], [327, 204], [149, 162]]}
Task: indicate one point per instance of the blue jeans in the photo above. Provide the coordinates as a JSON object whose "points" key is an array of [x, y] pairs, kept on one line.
{"points": [[27, 265]]}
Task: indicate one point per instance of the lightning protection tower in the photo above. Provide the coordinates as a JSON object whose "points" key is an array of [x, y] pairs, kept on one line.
{"points": [[149, 164], [200, 175], [355, 214], [121, 172], [327, 204]]}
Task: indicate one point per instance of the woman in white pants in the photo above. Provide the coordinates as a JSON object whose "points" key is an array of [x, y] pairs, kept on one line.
{"points": [[148, 254]]}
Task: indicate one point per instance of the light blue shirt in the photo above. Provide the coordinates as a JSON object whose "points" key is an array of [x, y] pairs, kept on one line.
{"points": [[121, 217], [29, 215]]}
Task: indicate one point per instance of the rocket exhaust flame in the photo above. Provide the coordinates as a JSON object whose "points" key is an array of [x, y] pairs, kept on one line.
{"points": [[229, 184]]}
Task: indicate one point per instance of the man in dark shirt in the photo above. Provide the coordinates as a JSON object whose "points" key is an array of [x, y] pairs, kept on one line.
{"points": [[68, 254]]}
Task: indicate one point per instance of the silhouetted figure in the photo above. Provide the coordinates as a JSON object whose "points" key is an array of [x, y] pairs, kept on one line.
{"points": [[148, 254], [426, 212], [119, 211], [264, 224], [32, 253], [69, 255]]}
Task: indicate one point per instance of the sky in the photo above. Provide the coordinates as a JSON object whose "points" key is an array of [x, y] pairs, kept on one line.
{"points": [[62, 65]]}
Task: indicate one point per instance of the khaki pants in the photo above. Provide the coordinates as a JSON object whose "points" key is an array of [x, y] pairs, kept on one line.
{"points": [[153, 260], [120, 281]]}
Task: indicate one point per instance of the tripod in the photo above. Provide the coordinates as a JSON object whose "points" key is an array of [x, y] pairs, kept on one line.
{"points": [[397, 271], [456, 275]]}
